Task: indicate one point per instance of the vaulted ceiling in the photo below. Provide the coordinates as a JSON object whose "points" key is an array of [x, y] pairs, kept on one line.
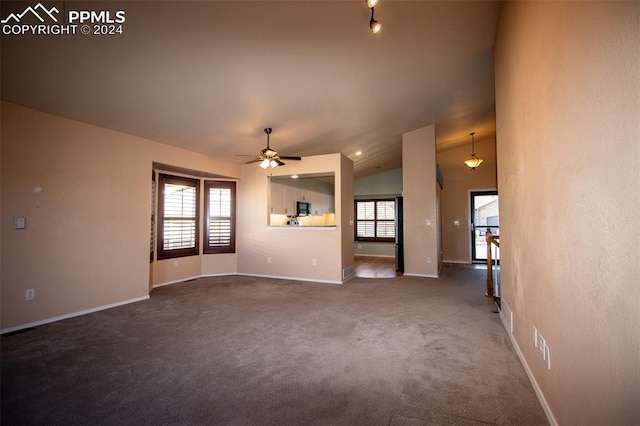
{"points": [[209, 76]]}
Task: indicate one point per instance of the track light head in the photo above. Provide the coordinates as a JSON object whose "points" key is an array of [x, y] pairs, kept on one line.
{"points": [[373, 24]]}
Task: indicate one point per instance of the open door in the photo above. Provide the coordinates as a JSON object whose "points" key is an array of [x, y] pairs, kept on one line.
{"points": [[484, 214]]}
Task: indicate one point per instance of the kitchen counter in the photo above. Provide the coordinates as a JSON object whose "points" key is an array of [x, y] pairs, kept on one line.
{"points": [[310, 228]]}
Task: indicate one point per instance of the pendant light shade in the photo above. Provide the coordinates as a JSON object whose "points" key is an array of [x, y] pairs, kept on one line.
{"points": [[474, 161]]}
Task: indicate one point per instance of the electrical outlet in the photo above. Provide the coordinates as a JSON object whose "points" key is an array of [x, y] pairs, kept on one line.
{"points": [[428, 259], [30, 294], [314, 262], [542, 347], [427, 222], [175, 263], [268, 259], [548, 357]]}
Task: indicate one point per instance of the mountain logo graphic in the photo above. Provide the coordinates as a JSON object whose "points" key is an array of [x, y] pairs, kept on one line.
{"points": [[38, 11]]}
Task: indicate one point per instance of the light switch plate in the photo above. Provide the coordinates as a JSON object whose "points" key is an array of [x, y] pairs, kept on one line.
{"points": [[19, 222]]}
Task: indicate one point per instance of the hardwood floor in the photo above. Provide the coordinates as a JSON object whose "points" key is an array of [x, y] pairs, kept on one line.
{"points": [[376, 267]]}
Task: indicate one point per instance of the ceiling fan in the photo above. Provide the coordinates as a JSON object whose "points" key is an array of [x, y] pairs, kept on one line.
{"points": [[269, 157]]}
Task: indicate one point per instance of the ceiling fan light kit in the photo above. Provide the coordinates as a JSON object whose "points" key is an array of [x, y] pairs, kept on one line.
{"points": [[474, 161]]}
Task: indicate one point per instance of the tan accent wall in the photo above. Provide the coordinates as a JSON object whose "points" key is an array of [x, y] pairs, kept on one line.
{"points": [[420, 203], [458, 181], [568, 149], [86, 194], [347, 219], [288, 252]]}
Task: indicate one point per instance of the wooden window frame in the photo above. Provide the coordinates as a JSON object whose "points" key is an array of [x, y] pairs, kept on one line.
{"points": [[375, 221], [163, 253], [231, 247]]}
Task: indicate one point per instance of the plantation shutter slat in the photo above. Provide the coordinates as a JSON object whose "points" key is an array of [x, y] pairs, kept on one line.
{"points": [[366, 229]]}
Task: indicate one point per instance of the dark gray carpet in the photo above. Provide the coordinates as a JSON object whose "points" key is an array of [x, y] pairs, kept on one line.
{"points": [[254, 351]]}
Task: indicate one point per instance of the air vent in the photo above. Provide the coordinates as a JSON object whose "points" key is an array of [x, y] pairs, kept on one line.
{"points": [[348, 272]]}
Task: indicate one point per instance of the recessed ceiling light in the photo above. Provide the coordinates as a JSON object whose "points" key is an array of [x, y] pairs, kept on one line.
{"points": [[294, 176], [358, 152]]}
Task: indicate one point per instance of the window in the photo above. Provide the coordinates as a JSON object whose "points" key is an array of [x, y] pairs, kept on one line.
{"points": [[375, 220], [177, 217], [220, 227]]}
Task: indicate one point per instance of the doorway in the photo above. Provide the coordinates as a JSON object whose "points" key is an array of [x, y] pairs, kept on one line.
{"points": [[379, 238], [484, 214]]}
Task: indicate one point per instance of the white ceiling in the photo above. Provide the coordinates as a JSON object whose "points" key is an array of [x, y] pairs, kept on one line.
{"points": [[209, 76]]}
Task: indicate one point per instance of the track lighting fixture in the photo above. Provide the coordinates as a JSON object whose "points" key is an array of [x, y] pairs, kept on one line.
{"points": [[374, 25]]}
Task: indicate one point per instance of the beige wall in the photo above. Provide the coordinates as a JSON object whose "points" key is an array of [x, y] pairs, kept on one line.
{"points": [[382, 185], [86, 244], [568, 120], [458, 181], [347, 216], [420, 202], [291, 250]]}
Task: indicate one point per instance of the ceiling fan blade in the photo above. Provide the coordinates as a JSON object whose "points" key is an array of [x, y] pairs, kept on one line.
{"points": [[253, 161], [287, 157]]}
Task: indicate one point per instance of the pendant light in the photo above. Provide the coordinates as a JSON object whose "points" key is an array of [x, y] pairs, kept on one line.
{"points": [[474, 161]]}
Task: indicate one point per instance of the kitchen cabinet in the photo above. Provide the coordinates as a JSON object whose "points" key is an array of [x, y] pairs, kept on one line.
{"points": [[278, 204], [284, 198], [315, 190]]}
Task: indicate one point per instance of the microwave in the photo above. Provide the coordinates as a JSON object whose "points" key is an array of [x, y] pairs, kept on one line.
{"points": [[303, 208]]}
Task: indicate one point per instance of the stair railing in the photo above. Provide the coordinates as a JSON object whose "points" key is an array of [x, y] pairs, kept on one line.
{"points": [[493, 287]]}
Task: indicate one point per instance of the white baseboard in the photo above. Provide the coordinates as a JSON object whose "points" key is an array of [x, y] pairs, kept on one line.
{"points": [[291, 278], [420, 275], [181, 280], [73, 314], [222, 274], [534, 383], [388, 256], [250, 275]]}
